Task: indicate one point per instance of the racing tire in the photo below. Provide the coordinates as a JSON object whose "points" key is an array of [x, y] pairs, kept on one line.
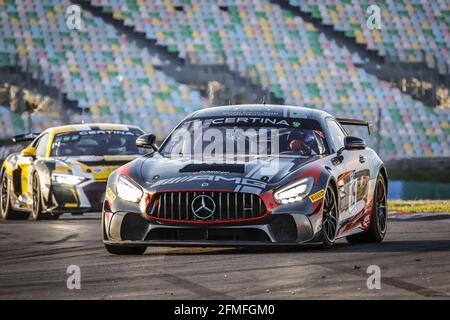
{"points": [[329, 218], [36, 207], [378, 219], [7, 212], [125, 250]]}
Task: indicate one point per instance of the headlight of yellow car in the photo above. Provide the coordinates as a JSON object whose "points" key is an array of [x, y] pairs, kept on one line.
{"points": [[69, 179]]}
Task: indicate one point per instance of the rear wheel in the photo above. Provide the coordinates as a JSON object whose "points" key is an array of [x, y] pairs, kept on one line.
{"points": [[5, 202], [378, 220], [125, 250], [329, 218]]}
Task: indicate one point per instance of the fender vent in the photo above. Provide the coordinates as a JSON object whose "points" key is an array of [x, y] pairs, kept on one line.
{"points": [[284, 228], [17, 180]]}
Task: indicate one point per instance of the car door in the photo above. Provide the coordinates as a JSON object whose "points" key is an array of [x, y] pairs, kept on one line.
{"points": [[20, 177], [352, 169]]}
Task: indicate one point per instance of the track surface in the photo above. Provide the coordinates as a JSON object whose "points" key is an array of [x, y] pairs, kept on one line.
{"points": [[34, 256]]}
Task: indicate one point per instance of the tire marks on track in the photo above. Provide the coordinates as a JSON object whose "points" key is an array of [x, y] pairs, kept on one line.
{"points": [[202, 292], [64, 239]]}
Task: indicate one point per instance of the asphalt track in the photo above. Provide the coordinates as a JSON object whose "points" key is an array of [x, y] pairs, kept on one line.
{"points": [[414, 261]]}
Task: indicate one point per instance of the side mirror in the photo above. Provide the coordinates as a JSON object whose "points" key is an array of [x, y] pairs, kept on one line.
{"points": [[354, 143], [147, 141], [29, 152]]}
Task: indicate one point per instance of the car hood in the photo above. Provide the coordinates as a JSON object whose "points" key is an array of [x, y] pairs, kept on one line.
{"points": [[92, 167], [253, 174]]}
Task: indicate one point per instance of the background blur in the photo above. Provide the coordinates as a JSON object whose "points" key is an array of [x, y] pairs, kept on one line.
{"points": [[151, 62]]}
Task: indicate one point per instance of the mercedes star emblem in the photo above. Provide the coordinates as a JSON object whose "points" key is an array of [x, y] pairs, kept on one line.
{"points": [[203, 206]]}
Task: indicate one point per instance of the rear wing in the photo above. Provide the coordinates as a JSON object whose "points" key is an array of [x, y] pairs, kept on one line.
{"points": [[355, 122], [24, 137]]}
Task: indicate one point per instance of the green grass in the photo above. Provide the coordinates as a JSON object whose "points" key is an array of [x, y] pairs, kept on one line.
{"points": [[418, 206]]}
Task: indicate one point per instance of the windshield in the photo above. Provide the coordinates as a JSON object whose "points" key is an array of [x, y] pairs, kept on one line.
{"points": [[238, 136], [96, 143]]}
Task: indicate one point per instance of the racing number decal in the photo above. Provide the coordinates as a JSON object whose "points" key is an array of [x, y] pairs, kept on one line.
{"points": [[317, 196], [353, 192]]}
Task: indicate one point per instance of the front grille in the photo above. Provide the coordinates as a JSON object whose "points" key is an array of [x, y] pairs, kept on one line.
{"points": [[228, 206]]}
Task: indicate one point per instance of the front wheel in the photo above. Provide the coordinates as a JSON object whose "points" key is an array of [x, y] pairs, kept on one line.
{"points": [[329, 218], [36, 207], [125, 250], [378, 220], [6, 209]]}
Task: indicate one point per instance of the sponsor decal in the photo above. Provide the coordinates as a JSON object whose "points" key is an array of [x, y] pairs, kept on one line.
{"points": [[205, 178], [317, 196], [248, 113], [110, 195], [250, 120], [108, 132], [296, 124]]}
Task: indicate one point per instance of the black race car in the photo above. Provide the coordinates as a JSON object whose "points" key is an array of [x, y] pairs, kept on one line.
{"points": [[248, 175]]}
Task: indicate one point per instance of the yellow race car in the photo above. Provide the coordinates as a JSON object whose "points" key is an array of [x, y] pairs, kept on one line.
{"points": [[64, 169]]}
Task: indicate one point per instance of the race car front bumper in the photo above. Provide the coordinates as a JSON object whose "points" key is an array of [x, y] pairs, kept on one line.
{"points": [[131, 229], [84, 197]]}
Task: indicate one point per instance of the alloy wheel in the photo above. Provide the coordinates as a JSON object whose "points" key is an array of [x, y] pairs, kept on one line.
{"points": [[330, 215], [4, 194], [36, 197], [381, 206]]}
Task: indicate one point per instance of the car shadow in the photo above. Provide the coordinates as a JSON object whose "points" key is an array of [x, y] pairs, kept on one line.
{"points": [[386, 246], [85, 216]]}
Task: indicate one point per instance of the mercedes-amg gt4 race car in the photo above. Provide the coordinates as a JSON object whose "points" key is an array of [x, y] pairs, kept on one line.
{"points": [[248, 175], [64, 169]]}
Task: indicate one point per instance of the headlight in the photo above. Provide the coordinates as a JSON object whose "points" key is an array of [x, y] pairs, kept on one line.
{"points": [[128, 191], [63, 178], [295, 191]]}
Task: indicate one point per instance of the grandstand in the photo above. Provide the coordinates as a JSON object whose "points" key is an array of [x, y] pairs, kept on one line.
{"points": [[11, 122], [412, 30], [97, 67], [116, 80]]}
